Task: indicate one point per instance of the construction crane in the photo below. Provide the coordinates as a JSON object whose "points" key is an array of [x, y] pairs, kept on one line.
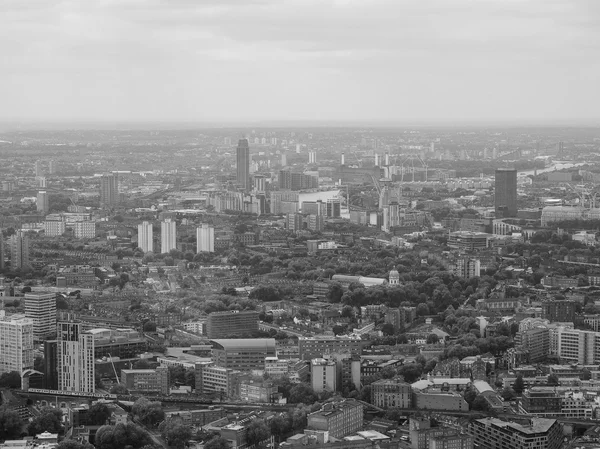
{"points": [[114, 369]]}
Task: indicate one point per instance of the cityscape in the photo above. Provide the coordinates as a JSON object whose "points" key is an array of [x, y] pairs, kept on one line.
{"points": [[299, 224]]}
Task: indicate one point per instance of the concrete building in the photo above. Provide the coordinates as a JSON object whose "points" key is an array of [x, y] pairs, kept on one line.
{"points": [[213, 379], [54, 228], [391, 393], [576, 346], [529, 433], [205, 239], [505, 193], [75, 358], [467, 267], [230, 323], [145, 237], [109, 190], [19, 247], [84, 229], [439, 400], [146, 380], [168, 235], [41, 308], [318, 346], [243, 165], [468, 241], [424, 436], [243, 354], [536, 341], [559, 311], [16, 343], [324, 375], [338, 418], [252, 391], [42, 202]]}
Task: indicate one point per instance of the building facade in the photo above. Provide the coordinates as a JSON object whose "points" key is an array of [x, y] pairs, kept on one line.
{"points": [[168, 235], [505, 193], [324, 375], [146, 380], [338, 418], [318, 346], [243, 165], [16, 343], [243, 354], [391, 393], [205, 239], [227, 324], [75, 358], [41, 308], [145, 237], [539, 433]]}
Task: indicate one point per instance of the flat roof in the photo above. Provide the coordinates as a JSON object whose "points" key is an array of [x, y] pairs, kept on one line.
{"points": [[244, 342]]}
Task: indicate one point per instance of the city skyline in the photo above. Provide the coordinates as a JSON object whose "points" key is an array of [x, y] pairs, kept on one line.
{"points": [[342, 61]]}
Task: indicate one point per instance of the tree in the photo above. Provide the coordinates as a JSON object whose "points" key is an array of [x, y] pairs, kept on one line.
{"points": [[141, 364], [302, 393], [480, 403], [586, 374], [470, 396], [519, 385], [10, 380], [388, 329], [119, 389], [280, 425], [122, 436], [10, 424], [553, 380], [149, 413], [335, 292], [49, 420], [73, 444], [256, 432], [217, 443], [508, 394], [98, 414], [432, 339], [149, 326], [175, 432], [339, 329]]}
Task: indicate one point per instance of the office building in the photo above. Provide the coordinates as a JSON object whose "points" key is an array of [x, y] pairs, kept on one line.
{"points": [[576, 346], [42, 202], [205, 239], [2, 251], [109, 190], [505, 193], [41, 182], [424, 436], [315, 223], [314, 207], [146, 380], [257, 391], [338, 418], [243, 164], [76, 369], [536, 341], [259, 184], [54, 228], [168, 235], [51, 364], [324, 375], [467, 267], [281, 202], [84, 229], [41, 308], [16, 343], [391, 393], [319, 346], [211, 379], [294, 222], [559, 311], [230, 323], [334, 207], [243, 354], [19, 248], [493, 433], [145, 237], [312, 157]]}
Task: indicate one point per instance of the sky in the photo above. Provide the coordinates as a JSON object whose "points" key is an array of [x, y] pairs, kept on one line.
{"points": [[396, 61]]}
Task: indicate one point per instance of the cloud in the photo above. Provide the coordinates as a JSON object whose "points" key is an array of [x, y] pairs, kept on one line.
{"points": [[345, 59]]}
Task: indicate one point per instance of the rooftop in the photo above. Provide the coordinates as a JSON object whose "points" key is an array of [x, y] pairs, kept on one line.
{"points": [[535, 425], [248, 343]]}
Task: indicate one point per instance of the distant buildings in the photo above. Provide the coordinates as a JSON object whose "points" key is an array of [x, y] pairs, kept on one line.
{"points": [[338, 418], [16, 343], [75, 358], [243, 164], [243, 354], [19, 247], [109, 190], [561, 311], [505, 193], [54, 228], [230, 323], [41, 308], [318, 346], [146, 380], [467, 267], [323, 374], [205, 239], [145, 237], [84, 229], [523, 434], [211, 379], [168, 235], [42, 202], [391, 393]]}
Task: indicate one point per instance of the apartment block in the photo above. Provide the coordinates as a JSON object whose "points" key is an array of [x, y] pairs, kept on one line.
{"points": [[324, 375], [252, 391], [41, 308], [244, 354], [391, 393], [213, 379], [230, 323], [318, 346], [338, 418], [146, 380], [493, 433], [75, 358], [16, 343]]}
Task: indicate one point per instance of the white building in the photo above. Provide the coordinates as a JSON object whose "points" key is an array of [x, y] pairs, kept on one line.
{"points": [[323, 375], [168, 235], [41, 308], [16, 343], [54, 228], [84, 229], [145, 238], [205, 239], [75, 359], [42, 204], [195, 326]]}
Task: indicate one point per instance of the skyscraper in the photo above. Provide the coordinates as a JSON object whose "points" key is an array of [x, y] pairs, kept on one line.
{"points": [[145, 237], [41, 308], [38, 168], [16, 343], [109, 190], [19, 249], [505, 192], [75, 358], [42, 203], [205, 239], [243, 164], [168, 235], [2, 251], [52, 167]]}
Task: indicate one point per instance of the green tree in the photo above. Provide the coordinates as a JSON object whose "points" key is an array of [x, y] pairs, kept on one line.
{"points": [[433, 339], [175, 432], [470, 396], [256, 432], [508, 394], [10, 380], [10, 424], [335, 292], [49, 420], [149, 326], [480, 404], [519, 385], [388, 329], [302, 393], [122, 436], [553, 380], [149, 413], [98, 414], [217, 443], [73, 444], [119, 389], [280, 425]]}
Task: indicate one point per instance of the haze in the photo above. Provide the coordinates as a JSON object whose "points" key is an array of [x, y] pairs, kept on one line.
{"points": [[347, 60]]}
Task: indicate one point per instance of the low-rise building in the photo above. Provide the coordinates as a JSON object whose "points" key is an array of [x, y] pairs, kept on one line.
{"points": [[439, 400], [338, 418], [391, 393], [252, 391], [146, 380]]}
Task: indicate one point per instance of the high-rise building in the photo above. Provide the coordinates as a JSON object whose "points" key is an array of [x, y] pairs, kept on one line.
{"points": [[559, 311], [168, 235], [54, 228], [42, 204], [294, 222], [334, 207], [75, 358], [467, 267], [41, 182], [50, 364], [41, 308], [109, 189], [19, 248], [323, 374], [2, 251], [205, 239], [243, 164], [259, 184], [315, 223], [38, 168], [505, 192], [145, 237], [225, 324], [84, 230], [16, 343], [52, 167]]}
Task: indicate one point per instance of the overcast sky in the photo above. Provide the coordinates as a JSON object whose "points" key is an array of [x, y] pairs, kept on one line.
{"points": [[346, 60]]}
